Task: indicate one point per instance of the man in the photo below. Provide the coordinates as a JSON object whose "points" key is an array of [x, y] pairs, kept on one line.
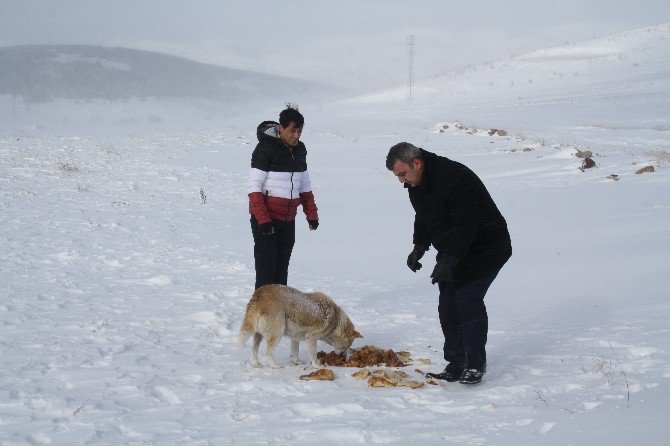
{"points": [[454, 213], [278, 184]]}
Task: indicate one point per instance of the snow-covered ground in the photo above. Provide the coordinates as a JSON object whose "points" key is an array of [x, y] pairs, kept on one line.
{"points": [[127, 263]]}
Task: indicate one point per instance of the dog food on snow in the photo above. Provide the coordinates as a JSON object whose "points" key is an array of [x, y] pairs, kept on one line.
{"points": [[319, 375], [366, 356]]}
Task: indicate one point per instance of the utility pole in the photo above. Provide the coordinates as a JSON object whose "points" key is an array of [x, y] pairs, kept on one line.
{"points": [[410, 53]]}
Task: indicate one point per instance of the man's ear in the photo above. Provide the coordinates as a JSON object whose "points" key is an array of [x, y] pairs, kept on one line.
{"points": [[418, 163]]}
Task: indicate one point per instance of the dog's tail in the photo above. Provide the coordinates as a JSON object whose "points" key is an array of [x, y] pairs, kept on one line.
{"points": [[246, 330]]}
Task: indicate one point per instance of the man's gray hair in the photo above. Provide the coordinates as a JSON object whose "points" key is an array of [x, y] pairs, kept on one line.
{"points": [[404, 152]]}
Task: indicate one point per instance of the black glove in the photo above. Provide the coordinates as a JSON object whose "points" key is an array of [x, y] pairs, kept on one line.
{"points": [[313, 224], [266, 229], [414, 257], [443, 269]]}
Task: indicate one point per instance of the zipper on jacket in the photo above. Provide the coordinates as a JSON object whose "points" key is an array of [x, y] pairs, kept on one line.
{"points": [[288, 204]]}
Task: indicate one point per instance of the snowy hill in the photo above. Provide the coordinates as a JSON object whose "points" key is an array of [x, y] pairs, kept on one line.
{"points": [[74, 88], [629, 63], [128, 261], [40, 73]]}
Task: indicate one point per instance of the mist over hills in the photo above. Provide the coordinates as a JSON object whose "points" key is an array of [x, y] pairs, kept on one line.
{"points": [[608, 80], [631, 63], [43, 73]]}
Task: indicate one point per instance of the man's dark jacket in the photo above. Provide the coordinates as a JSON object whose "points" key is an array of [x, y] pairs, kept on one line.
{"points": [[456, 214]]}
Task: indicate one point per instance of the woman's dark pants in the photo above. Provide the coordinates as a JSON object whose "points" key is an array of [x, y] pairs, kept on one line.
{"points": [[272, 253]]}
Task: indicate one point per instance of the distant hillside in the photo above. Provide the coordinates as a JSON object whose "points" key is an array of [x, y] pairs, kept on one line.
{"points": [[42, 73], [629, 63]]}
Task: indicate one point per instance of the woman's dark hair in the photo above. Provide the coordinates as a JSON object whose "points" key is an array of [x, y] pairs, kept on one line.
{"points": [[291, 115]]}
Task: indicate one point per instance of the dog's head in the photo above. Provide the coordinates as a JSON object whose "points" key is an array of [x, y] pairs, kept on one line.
{"points": [[344, 336]]}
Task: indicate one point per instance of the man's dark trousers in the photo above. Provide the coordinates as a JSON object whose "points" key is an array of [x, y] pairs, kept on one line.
{"points": [[464, 320], [272, 253]]}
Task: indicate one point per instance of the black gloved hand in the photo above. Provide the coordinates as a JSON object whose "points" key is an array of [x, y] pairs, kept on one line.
{"points": [[313, 224], [414, 257], [266, 229], [443, 269]]}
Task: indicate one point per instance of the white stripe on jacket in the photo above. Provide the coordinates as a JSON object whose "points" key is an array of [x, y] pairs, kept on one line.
{"points": [[287, 185]]}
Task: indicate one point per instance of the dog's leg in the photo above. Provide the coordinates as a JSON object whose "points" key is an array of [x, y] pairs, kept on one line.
{"points": [[311, 347], [254, 350], [295, 345], [270, 346]]}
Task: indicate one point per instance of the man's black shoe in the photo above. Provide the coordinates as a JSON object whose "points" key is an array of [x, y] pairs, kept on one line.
{"points": [[473, 376], [452, 372]]}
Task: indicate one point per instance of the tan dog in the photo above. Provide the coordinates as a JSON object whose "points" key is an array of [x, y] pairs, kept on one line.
{"points": [[278, 310]]}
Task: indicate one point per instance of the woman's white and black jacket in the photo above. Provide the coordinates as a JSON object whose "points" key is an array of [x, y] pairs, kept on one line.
{"points": [[279, 181]]}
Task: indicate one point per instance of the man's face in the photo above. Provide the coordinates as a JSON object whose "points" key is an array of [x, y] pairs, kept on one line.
{"points": [[290, 135], [410, 174]]}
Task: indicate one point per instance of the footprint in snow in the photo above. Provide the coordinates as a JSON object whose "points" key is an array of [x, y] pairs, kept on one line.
{"points": [[165, 394], [159, 280]]}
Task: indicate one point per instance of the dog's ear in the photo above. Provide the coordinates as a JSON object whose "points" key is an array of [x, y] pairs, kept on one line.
{"points": [[357, 334]]}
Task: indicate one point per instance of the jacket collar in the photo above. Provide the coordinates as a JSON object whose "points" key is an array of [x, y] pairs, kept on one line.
{"points": [[426, 183]]}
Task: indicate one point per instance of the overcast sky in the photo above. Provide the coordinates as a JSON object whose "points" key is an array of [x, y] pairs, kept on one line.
{"points": [[342, 41]]}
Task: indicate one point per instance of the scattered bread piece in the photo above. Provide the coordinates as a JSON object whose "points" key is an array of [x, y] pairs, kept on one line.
{"points": [[381, 381], [362, 374], [382, 378], [319, 375], [393, 374], [410, 384]]}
